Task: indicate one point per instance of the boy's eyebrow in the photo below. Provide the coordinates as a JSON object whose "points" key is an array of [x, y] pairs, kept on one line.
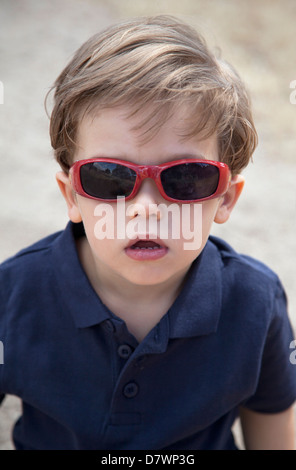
{"points": [[188, 155], [175, 156]]}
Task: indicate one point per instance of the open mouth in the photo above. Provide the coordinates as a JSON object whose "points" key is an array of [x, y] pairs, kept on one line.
{"points": [[145, 245], [146, 250]]}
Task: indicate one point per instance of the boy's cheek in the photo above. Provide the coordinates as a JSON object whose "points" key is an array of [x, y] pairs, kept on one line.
{"points": [[86, 208], [99, 220], [209, 214]]}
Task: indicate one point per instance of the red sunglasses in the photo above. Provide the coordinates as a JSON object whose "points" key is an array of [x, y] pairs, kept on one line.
{"points": [[185, 180]]}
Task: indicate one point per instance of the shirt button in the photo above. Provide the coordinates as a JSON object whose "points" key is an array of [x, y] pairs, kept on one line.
{"points": [[109, 326], [130, 390], [124, 351]]}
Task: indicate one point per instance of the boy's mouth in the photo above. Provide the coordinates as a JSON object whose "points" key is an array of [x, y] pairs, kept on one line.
{"points": [[145, 245], [146, 249]]}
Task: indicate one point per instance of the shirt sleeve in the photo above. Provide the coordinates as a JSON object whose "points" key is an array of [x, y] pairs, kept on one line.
{"points": [[276, 389]]}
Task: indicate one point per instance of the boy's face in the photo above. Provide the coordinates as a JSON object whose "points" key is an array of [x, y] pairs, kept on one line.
{"points": [[110, 135]]}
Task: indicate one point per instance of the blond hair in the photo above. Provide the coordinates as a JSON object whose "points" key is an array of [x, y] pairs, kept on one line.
{"points": [[158, 61]]}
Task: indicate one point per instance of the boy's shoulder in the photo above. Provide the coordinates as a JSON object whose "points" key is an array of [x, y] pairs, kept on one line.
{"points": [[247, 285], [27, 255], [27, 274], [34, 264], [243, 269], [42, 261]]}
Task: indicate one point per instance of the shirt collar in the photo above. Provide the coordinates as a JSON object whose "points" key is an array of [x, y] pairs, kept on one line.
{"points": [[195, 312], [75, 289], [197, 309]]}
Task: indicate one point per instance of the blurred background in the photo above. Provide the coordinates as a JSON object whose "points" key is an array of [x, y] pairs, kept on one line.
{"points": [[38, 38]]}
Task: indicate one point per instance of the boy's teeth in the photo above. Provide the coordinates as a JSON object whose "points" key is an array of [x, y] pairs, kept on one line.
{"points": [[145, 245]]}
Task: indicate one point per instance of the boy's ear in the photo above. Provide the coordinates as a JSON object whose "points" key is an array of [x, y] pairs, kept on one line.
{"points": [[63, 181], [229, 199]]}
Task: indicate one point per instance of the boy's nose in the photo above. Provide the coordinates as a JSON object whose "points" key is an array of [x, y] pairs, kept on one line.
{"points": [[146, 199]]}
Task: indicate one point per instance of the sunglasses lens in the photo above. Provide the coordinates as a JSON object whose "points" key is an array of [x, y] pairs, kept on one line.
{"points": [[105, 180], [190, 181]]}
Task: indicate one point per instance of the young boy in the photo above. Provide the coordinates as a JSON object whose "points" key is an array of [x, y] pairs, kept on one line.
{"points": [[118, 333]]}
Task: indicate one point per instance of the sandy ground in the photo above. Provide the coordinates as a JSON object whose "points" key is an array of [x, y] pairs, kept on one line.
{"points": [[36, 41]]}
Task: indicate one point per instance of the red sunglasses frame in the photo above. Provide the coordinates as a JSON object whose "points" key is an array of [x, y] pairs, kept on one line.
{"points": [[153, 172]]}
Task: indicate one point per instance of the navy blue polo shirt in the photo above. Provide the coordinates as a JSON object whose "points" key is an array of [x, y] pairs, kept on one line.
{"points": [[85, 381]]}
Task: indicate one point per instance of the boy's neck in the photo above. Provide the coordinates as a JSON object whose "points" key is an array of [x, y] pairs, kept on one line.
{"points": [[141, 307]]}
